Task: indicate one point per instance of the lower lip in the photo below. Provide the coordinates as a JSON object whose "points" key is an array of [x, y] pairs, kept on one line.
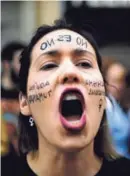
{"points": [[74, 125]]}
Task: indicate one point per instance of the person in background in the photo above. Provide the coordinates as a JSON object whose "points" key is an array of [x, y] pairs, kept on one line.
{"points": [[4, 137], [9, 87], [115, 77], [10, 65], [126, 102], [117, 117], [9, 157], [9, 79]]}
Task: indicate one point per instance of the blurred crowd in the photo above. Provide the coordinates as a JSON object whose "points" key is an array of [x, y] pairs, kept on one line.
{"points": [[117, 81], [10, 65], [117, 78]]}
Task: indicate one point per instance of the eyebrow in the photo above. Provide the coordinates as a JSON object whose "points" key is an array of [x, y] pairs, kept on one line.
{"points": [[76, 52], [80, 52], [51, 53]]}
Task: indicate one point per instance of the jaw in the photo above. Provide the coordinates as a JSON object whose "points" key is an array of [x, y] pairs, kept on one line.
{"points": [[72, 143]]}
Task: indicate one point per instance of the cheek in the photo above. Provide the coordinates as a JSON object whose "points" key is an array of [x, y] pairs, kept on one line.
{"points": [[39, 93], [95, 89], [38, 98], [96, 106], [95, 99], [40, 89], [38, 83]]}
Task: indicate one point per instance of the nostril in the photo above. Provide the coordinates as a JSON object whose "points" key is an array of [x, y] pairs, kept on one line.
{"points": [[75, 79], [65, 80], [70, 79]]}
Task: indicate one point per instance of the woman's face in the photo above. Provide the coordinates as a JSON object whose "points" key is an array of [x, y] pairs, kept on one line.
{"points": [[65, 90], [116, 78], [15, 61]]}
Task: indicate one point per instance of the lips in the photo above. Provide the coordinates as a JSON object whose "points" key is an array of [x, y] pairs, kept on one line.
{"points": [[72, 110]]}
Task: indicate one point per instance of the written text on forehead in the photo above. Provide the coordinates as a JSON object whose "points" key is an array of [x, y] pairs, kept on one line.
{"points": [[63, 38]]}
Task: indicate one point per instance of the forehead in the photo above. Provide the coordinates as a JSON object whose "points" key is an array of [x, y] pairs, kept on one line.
{"points": [[61, 39]]}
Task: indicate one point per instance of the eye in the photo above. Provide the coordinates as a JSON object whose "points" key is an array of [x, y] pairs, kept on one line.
{"points": [[49, 66], [84, 64]]}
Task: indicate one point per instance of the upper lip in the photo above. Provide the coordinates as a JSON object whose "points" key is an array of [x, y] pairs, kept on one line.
{"points": [[72, 89]]}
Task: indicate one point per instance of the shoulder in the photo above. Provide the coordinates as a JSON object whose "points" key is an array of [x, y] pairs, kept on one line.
{"points": [[123, 162], [24, 168], [120, 167]]}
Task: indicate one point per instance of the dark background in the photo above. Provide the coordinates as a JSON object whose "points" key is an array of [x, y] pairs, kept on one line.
{"points": [[109, 25]]}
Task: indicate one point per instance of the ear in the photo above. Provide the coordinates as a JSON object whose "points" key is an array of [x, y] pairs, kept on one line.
{"points": [[24, 106]]}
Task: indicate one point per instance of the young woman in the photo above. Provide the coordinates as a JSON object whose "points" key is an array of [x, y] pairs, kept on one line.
{"points": [[63, 128]]}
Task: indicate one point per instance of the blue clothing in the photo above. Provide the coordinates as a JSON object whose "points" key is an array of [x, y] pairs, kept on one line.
{"points": [[11, 118], [119, 126]]}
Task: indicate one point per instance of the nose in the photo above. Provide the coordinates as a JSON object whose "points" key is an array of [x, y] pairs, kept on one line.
{"points": [[69, 78], [70, 75]]}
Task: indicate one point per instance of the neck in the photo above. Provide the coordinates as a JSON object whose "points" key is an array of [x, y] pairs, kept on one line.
{"points": [[47, 161]]}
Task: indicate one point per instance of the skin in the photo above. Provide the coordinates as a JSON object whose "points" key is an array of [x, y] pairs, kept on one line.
{"points": [[15, 62], [60, 152], [6, 76], [115, 77]]}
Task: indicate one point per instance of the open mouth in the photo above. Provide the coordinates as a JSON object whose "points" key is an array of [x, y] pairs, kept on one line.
{"points": [[72, 109]]}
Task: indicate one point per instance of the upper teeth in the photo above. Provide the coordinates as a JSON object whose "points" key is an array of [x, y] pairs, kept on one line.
{"points": [[71, 97]]}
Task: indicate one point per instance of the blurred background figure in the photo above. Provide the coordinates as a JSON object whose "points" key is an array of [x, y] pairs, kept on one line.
{"points": [[9, 88], [117, 110], [9, 157], [10, 65], [4, 138], [10, 55], [126, 98], [115, 78]]}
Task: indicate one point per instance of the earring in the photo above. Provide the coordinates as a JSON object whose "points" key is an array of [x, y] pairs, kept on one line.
{"points": [[31, 121]]}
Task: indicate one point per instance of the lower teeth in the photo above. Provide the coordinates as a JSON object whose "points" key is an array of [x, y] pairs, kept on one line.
{"points": [[75, 122], [73, 118]]}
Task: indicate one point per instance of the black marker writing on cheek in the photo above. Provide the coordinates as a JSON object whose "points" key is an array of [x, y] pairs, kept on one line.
{"points": [[81, 42], [39, 85], [96, 92], [49, 93], [47, 44], [39, 97], [95, 83], [100, 104]]}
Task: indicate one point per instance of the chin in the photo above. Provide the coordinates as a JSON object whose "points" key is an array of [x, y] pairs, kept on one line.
{"points": [[72, 145]]}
